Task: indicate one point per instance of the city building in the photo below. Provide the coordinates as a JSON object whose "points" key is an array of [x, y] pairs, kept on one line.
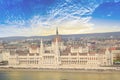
{"points": [[58, 56]]}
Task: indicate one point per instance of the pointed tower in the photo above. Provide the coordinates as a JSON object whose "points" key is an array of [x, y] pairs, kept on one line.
{"points": [[57, 36], [109, 57], [41, 47], [57, 31]]}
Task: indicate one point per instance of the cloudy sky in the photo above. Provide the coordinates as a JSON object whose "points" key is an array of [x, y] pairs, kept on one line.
{"points": [[41, 17]]}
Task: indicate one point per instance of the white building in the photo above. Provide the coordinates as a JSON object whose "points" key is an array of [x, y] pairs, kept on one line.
{"points": [[58, 56]]}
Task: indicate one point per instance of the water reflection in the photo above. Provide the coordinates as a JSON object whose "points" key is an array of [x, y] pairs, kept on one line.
{"points": [[58, 76]]}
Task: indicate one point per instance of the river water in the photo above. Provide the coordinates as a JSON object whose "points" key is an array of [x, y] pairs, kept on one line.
{"points": [[53, 75]]}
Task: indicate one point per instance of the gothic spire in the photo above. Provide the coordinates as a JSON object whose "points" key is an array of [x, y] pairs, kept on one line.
{"points": [[57, 31]]}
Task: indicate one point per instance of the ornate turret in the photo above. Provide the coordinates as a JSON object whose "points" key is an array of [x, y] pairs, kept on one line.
{"points": [[109, 57], [41, 47]]}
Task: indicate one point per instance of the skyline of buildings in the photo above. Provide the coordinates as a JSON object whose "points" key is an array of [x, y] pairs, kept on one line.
{"points": [[61, 54]]}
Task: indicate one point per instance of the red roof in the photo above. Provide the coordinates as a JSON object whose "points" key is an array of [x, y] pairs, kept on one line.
{"points": [[112, 48]]}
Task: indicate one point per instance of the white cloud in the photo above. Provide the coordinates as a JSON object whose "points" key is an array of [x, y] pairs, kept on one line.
{"points": [[72, 19]]}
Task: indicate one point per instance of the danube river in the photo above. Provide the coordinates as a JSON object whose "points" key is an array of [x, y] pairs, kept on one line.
{"points": [[54, 75]]}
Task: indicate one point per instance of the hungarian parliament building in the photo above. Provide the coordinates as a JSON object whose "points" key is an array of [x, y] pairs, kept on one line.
{"points": [[58, 56]]}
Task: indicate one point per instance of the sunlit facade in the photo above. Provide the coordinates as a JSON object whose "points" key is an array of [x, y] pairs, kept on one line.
{"points": [[58, 56]]}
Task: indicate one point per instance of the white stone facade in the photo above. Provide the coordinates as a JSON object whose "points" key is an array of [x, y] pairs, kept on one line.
{"points": [[53, 59], [50, 57]]}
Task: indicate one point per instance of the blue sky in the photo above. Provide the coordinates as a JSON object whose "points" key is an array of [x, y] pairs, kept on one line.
{"points": [[41, 17]]}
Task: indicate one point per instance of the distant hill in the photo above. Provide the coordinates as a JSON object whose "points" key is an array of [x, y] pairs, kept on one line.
{"points": [[92, 35], [96, 35]]}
